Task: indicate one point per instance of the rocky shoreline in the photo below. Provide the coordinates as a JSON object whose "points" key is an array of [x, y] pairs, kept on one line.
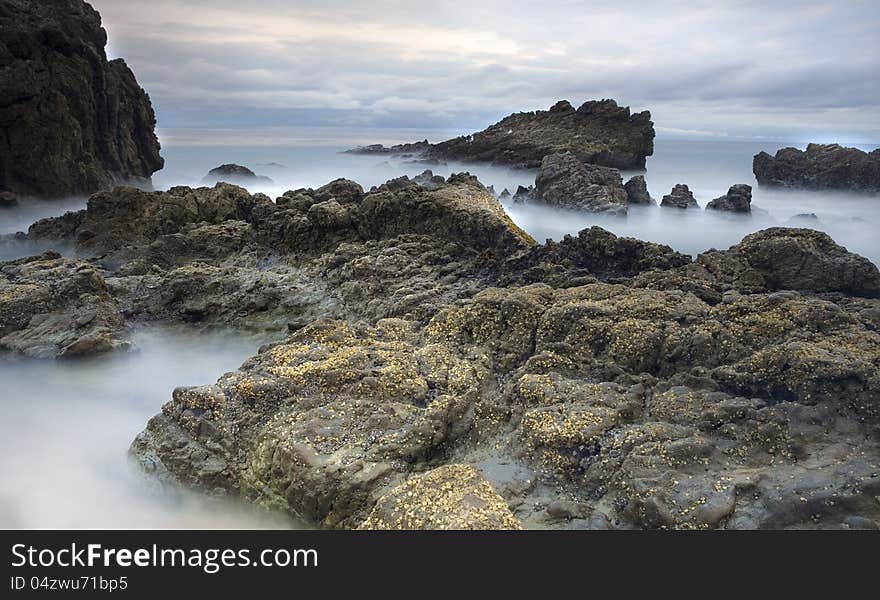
{"points": [[434, 367], [593, 382]]}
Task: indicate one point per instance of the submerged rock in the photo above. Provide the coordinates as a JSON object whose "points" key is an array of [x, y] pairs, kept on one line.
{"points": [[565, 182], [8, 200], [637, 191], [804, 220], [737, 200], [680, 197], [232, 173], [74, 122], [523, 194], [821, 166], [598, 132]]}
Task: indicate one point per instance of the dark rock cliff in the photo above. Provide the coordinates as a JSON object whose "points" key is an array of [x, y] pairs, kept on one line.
{"points": [[71, 121]]}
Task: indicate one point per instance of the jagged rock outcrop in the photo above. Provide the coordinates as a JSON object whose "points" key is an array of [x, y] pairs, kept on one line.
{"points": [[637, 191], [680, 197], [223, 256], [821, 166], [738, 199], [71, 122], [232, 173], [563, 181], [798, 259], [598, 132]]}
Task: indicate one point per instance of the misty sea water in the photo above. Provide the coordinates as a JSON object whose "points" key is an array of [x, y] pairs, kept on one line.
{"points": [[304, 158], [67, 426]]}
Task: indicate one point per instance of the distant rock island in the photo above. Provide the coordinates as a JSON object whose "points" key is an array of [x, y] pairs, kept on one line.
{"points": [[598, 132], [821, 166], [73, 122], [232, 173]]}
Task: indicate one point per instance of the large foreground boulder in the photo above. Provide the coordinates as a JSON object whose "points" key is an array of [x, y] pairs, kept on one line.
{"points": [[805, 259], [598, 132], [594, 406], [821, 166], [72, 121]]}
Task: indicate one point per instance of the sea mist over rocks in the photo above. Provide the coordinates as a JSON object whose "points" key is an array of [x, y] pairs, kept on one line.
{"points": [[311, 158], [67, 426]]}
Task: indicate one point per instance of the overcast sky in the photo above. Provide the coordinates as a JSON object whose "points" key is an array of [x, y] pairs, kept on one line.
{"points": [[783, 69]]}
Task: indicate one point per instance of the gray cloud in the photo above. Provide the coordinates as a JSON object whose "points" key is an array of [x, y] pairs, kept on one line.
{"points": [[749, 68]]}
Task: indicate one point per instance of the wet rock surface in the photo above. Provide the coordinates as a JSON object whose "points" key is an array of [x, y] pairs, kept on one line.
{"points": [[820, 166], [598, 132], [73, 122]]}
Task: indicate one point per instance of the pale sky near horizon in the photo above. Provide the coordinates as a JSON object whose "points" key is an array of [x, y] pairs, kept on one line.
{"points": [[786, 70]]}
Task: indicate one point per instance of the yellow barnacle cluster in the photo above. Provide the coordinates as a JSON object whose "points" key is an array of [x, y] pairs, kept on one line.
{"points": [[563, 427], [450, 497]]}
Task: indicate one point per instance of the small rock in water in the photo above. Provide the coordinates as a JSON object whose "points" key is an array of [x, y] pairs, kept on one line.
{"points": [[737, 200], [566, 182], [232, 173], [8, 200], [637, 191], [680, 197], [523, 194]]}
